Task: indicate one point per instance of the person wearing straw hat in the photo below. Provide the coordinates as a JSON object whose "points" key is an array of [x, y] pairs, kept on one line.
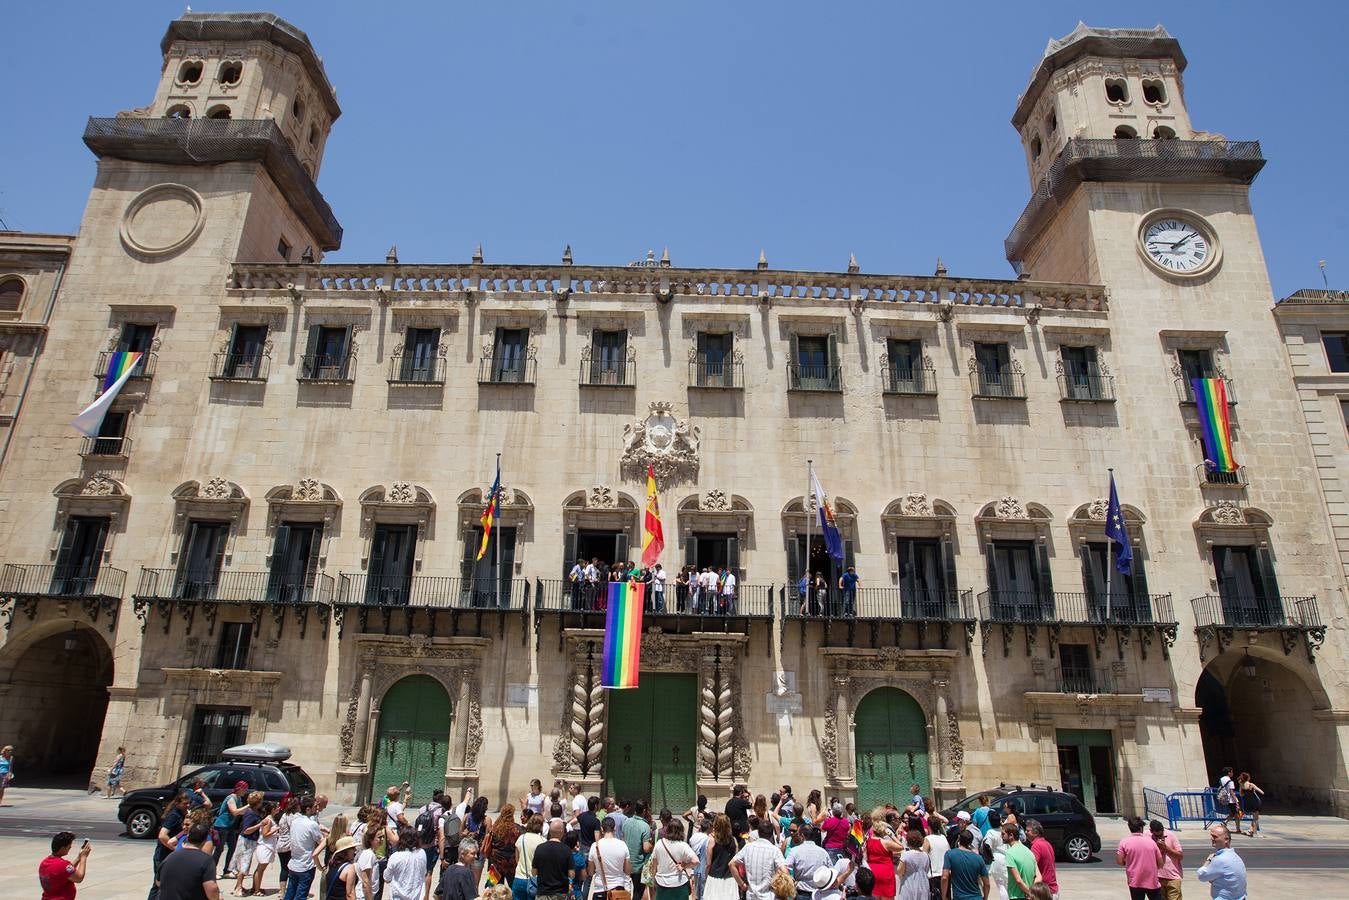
{"points": [[340, 883]]}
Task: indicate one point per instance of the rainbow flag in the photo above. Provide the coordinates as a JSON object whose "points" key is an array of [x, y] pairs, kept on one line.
{"points": [[856, 839], [121, 367], [1215, 423], [493, 876], [622, 635]]}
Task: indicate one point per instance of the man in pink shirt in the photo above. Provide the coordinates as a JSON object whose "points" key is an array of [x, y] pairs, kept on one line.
{"points": [[1141, 858], [1044, 856], [1171, 873]]}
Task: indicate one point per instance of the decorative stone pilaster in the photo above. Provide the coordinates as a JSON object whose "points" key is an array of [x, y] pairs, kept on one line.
{"points": [[580, 740]]}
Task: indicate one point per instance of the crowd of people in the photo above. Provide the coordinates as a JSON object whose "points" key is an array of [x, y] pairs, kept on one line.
{"points": [[709, 590]]}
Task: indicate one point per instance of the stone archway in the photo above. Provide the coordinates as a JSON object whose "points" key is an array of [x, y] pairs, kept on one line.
{"points": [[1261, 716], [53, 696]]}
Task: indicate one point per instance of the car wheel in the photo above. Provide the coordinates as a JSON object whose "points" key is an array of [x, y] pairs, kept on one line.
{"points": [[142, 822], [1077, 848]]}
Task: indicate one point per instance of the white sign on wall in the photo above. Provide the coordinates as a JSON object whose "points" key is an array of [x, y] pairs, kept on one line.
{"points": [[1156, 695]]}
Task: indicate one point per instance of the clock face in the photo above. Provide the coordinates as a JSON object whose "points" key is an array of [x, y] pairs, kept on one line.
{"points": [[1176, 245]]}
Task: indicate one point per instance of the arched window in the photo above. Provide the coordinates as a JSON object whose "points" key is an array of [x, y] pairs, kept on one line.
{"points": [[1154, 92], [1162, 133], [1035, 147], [1116, 90], [179, 111], [231, 72], [297, 110], [314, 135], [190, 71], [11, 294], [218, 112], [1052, 122], [1124, 133]]}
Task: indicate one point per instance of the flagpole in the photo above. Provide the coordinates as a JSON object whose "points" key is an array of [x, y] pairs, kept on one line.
{"points": [[496, 526], [1109, 546], [805, 506]]}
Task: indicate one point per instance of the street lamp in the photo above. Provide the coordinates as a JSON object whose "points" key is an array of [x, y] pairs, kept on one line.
{"points": [[71, 638], [1247, 665]]}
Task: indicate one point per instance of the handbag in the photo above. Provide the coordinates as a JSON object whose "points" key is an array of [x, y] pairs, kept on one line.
{"points": [[619, 893]]}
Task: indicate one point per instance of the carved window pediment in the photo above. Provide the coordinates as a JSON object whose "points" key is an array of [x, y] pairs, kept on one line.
{"points": [[798, 509], [600, 506], [216, 497], [398, 501], [98, 495], [1087, 523], [1011, 517], [1228, 522], [516, 510], [306, 500], [917, 514], [715, 510]]}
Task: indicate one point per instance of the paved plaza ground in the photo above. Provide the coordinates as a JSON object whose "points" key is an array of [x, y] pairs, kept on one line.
{"points": [[1297, 857]]}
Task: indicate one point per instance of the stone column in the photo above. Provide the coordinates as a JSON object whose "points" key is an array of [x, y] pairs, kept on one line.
{"points": [[843, 729], [945, 764], [360, 733]]}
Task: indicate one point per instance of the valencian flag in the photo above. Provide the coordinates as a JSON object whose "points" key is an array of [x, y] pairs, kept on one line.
{"points": [[491, 512], [1210, 398], [833, 540], [622, 635], [1115, 531], [653, 536], [120, 368]]}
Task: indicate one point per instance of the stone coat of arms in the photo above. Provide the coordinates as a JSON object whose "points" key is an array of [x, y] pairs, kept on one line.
{"points": [[667, 444]]}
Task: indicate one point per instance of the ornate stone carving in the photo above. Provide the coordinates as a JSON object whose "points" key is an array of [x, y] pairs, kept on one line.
{"points": [[100, 484], [658, 651], [915, 504], [601, 497], [1096, 509], [215, 489], [401, 492], [956, 744], [1226, 512], [1010, 508], [307, 489], [474, 744], [667, 444], [829, 752], [716, 500]]}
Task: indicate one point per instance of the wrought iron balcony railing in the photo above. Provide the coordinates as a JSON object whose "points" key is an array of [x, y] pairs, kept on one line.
{"points": [[920, 378], [114, 447], [1185, 390], [432, 592], [1042, 607], [887, 603], [998, 385], [1085, 680], [496, 370], [240, 366], [61, 581], [144, 368], [814, 378], [725, 373], [1087, 388], [1255, 612], [427, 370], [328, 368], [233, 587], [608, 369], [1208, 475], [750, 601]]}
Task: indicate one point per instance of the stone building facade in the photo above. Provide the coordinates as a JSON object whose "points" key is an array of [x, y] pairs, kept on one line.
{"points": [[275, 538]]}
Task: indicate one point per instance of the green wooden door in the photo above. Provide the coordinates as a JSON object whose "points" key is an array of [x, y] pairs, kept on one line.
{"points": [[652, 744], [414, 737], [890, 742], [1087, 767]]}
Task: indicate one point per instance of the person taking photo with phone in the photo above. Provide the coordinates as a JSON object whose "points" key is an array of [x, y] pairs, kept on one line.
{"points": [[58, 875]]}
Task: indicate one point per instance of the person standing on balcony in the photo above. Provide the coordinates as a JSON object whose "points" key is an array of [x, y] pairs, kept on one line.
{"points": [[847, 583], [576, 583], [727, 582], [658, 587]]}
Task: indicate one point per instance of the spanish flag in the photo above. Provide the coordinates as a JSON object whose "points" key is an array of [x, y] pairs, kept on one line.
{"points": [[653, 536], [491, 512]]}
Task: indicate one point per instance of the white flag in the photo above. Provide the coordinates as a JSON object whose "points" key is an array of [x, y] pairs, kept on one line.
{"points": [[91, 420]]}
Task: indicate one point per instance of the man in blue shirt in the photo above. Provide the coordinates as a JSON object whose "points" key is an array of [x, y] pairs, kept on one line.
{"points": [[848, 582], [1224, 872]]}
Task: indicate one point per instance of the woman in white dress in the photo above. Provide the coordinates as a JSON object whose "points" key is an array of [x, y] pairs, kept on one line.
{"points": [[268, 836]]}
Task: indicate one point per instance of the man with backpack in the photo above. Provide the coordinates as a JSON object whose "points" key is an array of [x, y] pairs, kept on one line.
{"points": [[449, 835], [427, 825]]}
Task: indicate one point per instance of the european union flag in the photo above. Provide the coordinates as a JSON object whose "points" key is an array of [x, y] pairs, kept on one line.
{"points": [[1115, 530]]}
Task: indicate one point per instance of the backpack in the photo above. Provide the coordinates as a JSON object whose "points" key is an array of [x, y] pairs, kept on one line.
{"points": [[426, 826], [453, 826]]}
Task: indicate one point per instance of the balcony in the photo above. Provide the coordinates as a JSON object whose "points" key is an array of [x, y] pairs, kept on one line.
{"points": [[1087, 388], [609, 370], [433, 592], [918, 379], [1063, 608], [240, 366], [828, 379], [144, 369], [249, 587], [584, 606], [1185, 390], [1295, 619], [106, 447], [495, 370], [998, 385], [97, 591], [726, 373], [1084, 680], [417, 370], [1211, 477], [328, 368], [875, 608]]}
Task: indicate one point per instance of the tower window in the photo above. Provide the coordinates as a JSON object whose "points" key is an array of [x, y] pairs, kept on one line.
{"points": [[297, 110], [218, 112], [1052, 122], [314, 135], [1162, 133], [1116, 90], [1124, 133], [180, 111], [1035, 147], [231, 72], [190, 72], [283, 249], [11, 294], [1154, 92]]}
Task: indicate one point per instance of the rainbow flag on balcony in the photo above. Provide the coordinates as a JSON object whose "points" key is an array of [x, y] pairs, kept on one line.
{"points": [[121, 366], [622, 635], [1215, 423]]}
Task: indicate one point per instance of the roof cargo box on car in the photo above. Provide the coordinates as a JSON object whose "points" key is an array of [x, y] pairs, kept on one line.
{"points": [[274, 753]]}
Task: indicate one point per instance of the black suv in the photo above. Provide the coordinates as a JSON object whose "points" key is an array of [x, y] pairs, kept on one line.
{"points": [[140, 809], [1067, 823]]}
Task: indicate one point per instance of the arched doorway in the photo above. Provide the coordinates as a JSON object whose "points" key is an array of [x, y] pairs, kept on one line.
{"points": [[56, 700], [1254, 711], [891, 748], [414, 737]]}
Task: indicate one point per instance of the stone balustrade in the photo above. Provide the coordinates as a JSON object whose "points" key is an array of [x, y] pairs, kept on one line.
{"points": [[417, 281]]}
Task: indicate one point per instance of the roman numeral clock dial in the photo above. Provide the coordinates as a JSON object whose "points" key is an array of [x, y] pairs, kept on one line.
{"points": [[1177, 245]]}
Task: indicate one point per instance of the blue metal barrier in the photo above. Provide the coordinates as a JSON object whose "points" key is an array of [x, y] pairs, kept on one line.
{"points": [[1181, 806]]}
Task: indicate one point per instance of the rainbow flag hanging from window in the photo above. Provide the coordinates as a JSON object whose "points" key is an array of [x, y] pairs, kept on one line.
{"points": [[1215, 423], [121, 366], [623, 635]]}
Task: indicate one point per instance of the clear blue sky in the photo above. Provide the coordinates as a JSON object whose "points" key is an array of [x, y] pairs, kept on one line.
{"points": [[807, 129]]}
